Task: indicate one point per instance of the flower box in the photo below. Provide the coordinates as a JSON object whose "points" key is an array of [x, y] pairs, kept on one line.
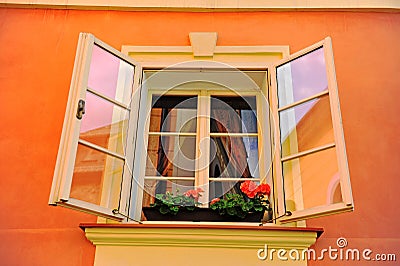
{"points": [[199, 215]]}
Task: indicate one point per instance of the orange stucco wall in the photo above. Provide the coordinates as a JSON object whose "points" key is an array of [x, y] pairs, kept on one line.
{"points": [[36, 61]]}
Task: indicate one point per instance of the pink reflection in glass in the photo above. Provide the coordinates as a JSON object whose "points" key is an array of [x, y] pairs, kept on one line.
{"points": [[103, 72], [106, 70], [299, 79], [302, 77], [98, 113], [103, 121]]}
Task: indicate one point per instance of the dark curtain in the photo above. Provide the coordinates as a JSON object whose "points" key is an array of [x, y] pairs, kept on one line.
{"points": [[163, 164]]}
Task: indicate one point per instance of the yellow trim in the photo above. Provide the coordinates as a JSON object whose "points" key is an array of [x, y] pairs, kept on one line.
{"points": [[241, 57], [158, 245], [199, 5], [199, 237]]}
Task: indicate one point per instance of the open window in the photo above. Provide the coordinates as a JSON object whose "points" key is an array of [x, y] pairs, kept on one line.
{"points": [[97, 170], [310, 152], [94, 166], [201, 138]]}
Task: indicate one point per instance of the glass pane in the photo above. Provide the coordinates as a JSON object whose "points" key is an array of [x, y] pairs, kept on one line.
{"points": [[110, 75], [302, 77], [173, 114], [104, 124], [153, 187], [171, 156], [93, 172], [233, 115], [306, 126], [218, 189], [311, 180], [234, 157]]}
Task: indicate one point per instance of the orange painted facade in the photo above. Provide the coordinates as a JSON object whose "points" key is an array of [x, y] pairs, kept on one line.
{"points": [[37, 55]]}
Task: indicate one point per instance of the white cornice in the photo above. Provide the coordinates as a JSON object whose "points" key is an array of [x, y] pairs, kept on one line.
{"points": [[211, 5]]}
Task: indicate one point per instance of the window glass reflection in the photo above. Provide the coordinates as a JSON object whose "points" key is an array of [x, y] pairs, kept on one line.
{"points": [[173, 114], [218, 189], [104, 124], [233, 115], [171, 156], [302, 77], [234, 157], [110, 75], [302, 191], [306, 126], [92, 169]]}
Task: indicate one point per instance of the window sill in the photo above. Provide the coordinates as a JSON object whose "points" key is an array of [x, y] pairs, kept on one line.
{"points": [[200, 225], [138, 243]]}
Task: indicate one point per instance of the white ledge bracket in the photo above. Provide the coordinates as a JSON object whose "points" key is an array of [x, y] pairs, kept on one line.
{"points": [[203, 43]]}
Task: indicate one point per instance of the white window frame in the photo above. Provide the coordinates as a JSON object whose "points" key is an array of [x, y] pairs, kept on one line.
{"points": [[63, 174], [339, 144], [201, 178], [60, 193]]}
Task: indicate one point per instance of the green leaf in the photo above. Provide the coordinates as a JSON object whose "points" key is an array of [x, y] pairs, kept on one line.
{"points": [[164, 209], [190, 208], [258, 208]]}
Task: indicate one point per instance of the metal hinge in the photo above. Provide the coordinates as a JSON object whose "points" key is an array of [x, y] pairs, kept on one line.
{"points": [[81, 109]]}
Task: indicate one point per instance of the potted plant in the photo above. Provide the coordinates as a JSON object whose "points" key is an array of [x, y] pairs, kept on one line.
{"points": [[253, 201], [249, 205], [171, 204], [179, 207]]}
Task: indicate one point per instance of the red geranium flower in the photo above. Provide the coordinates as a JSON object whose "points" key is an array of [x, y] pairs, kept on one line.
{"points": [[264, 189], [194, 193], [249, 188], [214, 201], [199, 189]]}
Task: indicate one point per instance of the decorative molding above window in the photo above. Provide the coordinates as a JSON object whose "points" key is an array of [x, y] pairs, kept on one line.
{"points": [[203, 43], [204, 47]]}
